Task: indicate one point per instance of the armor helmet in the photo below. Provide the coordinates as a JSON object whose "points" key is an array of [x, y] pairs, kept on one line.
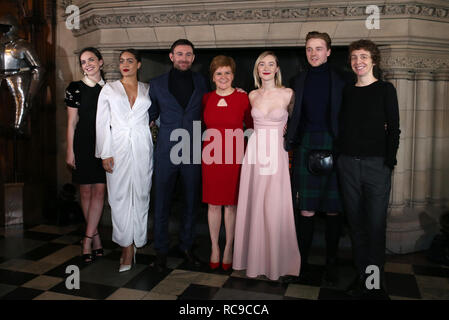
{"points": [[10, 21]]}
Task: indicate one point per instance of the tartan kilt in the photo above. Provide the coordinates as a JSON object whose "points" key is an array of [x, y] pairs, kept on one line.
{"points": [[311, 192]]}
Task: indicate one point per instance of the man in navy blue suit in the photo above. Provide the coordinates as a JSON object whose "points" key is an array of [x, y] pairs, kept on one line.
{"points": [[176, 98]]}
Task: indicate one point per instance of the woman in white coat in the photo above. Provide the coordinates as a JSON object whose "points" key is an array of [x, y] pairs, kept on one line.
{"points": [[124, 144]]}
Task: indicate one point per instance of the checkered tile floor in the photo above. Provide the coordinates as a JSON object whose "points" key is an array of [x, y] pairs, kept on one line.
{"points": [[33, 262]]}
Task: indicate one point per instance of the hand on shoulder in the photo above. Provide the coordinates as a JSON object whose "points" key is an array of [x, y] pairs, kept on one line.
{"points": [[254, 96], [240, 90], [253, 93]]}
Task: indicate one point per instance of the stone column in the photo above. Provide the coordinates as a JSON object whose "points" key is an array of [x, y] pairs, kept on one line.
{"points": [[111, 65], [402, 79], [440, 165], [418, 180], [423, 139]]}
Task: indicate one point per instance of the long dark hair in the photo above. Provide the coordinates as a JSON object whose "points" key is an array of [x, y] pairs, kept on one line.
{"points": [[97, 53]]}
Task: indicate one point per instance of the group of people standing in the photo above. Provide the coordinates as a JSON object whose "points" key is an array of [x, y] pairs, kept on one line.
{"points": [[356, 126]]}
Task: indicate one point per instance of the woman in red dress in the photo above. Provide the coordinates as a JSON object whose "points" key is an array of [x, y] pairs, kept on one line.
{"points": [[224, 111]]}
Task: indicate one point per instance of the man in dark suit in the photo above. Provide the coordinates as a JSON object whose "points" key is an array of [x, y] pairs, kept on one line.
{"points": [[176, 98], [314, 126]]}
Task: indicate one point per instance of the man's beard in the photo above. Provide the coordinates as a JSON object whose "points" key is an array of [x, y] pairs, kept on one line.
{"points": [[178, 66]]}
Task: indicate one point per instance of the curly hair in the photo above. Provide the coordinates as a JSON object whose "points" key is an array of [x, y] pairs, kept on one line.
{"points": [[367, 45]]}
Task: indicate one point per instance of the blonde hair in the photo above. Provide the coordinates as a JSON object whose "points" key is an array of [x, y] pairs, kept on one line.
{"points": [[277, 77]]}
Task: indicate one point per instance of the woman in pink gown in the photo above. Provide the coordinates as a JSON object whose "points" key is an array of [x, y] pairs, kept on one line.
{"points": [[265, 235]]}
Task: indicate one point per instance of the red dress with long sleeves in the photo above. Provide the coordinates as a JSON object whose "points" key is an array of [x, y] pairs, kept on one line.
{"points": [[223, 147]]}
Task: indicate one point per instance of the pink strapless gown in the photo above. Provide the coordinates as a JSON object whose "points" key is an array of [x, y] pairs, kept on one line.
{"points": [[265, 235]]}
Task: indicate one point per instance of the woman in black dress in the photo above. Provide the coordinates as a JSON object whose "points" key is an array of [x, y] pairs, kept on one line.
{"points": [[368, 143], [87, 171]]}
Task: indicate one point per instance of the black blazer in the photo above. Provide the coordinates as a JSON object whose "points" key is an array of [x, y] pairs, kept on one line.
{"points": [[292, 137]]}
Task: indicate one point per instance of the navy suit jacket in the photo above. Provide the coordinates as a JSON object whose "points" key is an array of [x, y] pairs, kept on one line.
{"points": [[173, 115], [292, 137]]}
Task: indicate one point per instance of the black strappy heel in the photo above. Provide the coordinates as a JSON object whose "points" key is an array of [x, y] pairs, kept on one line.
{"points": [[87, 257], [97, 252]]}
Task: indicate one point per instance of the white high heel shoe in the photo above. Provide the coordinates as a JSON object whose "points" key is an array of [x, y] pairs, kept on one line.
{"points": [[127, 267]]}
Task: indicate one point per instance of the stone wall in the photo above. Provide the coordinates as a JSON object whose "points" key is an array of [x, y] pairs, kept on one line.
{"points": [[415, 46]]}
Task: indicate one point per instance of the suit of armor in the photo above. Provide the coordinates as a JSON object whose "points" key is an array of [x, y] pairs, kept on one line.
{"points": [[19, 66]]}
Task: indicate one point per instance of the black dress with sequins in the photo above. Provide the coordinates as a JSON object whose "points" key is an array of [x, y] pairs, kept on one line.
{"points": [[89, 170]]}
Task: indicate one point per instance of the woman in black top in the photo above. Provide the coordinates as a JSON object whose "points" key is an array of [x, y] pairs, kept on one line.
{"points": [[87, 171], [368, 143]]}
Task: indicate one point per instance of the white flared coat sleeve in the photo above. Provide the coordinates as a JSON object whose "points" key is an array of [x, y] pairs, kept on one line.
{"points": [[103, 147]]}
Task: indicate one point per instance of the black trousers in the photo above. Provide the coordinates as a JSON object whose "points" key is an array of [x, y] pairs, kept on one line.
{"points": [[365, 187], [166, 174]]}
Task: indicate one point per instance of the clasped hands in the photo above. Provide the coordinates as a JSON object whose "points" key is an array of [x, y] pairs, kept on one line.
{"points": [[108, 164]]}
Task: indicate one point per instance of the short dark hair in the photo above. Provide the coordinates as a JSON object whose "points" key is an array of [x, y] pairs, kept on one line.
{"points": [[134, 52], [320, 35], [221, 61], [181, 42], [367, 45]]}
